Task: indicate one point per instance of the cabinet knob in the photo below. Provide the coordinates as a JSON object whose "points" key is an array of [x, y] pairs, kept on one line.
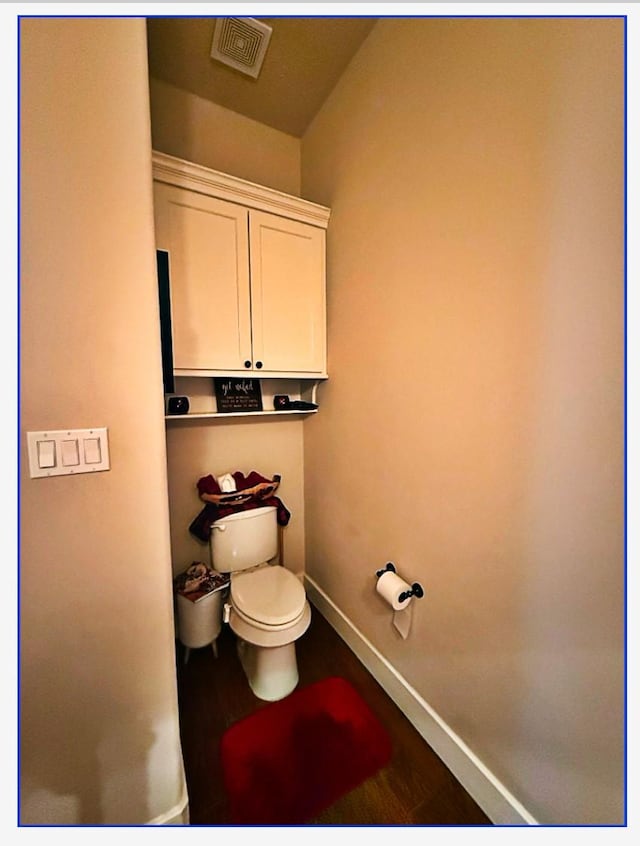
{"points": [[247, 364], [258, 364]]}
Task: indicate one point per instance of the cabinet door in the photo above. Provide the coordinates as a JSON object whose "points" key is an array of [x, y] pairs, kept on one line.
{"points": [[208, 249], [288, 312]]}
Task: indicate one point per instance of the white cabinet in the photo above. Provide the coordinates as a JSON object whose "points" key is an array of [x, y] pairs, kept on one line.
{"points": [[287, 272], [247, 274], [208, 245]]}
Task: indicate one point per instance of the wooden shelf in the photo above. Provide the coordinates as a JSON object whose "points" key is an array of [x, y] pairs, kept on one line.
{"points": [[203, 405], [227, 414]]}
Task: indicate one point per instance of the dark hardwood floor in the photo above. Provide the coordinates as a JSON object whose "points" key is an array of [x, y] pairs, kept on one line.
{"points": [[415, 788]]}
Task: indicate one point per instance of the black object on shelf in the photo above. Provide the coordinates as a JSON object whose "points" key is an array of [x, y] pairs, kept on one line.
{"points": [[178, 405], [281, 402], [237, 393]]}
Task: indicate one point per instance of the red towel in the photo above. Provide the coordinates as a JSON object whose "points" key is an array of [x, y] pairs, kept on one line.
{"points": [[201, 525]]}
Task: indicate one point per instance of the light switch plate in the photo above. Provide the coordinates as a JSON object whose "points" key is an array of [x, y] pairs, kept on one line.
{"points": [[88, 448]]}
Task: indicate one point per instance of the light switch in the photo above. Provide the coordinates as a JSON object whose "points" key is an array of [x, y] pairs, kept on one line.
{"points": [[70, 456], [92, 453], [46, 454], [67, 452]]}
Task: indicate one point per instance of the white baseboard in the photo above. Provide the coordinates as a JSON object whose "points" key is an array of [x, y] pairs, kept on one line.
{"points": [[491, 795]]}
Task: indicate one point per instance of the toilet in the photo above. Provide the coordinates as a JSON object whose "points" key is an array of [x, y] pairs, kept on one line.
{"points": [[267, 608]]}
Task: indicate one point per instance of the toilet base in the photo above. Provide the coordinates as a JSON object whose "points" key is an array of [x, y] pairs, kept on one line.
{"points": [[272, 671]]}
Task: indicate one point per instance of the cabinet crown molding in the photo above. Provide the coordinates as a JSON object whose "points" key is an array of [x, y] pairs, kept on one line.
{"points": [[184, 174]]}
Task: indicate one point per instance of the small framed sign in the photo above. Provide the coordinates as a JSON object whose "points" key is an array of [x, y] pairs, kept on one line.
{"points": [[238, 394]]}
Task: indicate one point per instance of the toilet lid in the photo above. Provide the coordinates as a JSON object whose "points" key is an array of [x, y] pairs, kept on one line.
{"points": [[270, 594]]}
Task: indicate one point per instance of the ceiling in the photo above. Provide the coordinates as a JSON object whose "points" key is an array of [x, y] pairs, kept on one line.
{"points": [[304, 60]]}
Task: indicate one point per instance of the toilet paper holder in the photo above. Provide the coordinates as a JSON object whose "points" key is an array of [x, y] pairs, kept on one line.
{"points": [[416, 588]]}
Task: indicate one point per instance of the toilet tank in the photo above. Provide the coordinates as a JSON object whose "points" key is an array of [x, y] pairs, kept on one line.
{"points": [[244, 539]]}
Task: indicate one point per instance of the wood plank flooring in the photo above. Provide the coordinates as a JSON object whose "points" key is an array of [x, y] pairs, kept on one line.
{"points": [[415, 788]]}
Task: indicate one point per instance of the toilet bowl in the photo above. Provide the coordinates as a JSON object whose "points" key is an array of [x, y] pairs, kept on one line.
{"points": [[267, 608], [268, 611]]}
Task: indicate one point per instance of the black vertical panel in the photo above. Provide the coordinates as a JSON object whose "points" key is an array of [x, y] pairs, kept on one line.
{"points": [[162, 258]]}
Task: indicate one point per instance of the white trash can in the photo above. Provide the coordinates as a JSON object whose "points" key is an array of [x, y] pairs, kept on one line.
{"points": [[199, 622]]}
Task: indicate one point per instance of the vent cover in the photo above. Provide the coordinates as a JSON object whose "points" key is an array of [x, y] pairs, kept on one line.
{"points": [[241, 43]]}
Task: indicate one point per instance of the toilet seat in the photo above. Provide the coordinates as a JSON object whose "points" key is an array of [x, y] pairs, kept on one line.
{"points": [[270, 598], [266, 627], [271, 637]]}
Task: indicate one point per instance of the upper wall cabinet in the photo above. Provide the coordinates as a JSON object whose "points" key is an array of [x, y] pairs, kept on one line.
{"points": [[247, 274]]}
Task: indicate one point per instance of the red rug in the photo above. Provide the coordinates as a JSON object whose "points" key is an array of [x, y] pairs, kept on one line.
{"points": [[293, 758]]}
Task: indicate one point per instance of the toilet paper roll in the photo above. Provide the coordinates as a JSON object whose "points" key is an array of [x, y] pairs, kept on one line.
{"points": [[226, 483], [390, 586]]}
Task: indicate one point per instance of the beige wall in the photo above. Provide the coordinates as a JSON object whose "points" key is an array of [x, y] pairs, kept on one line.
{"points": [[194, 129], [99, 717], [186, 126], [471, 429]]}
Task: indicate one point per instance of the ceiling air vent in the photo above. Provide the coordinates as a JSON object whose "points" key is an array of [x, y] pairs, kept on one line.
{"points": [[241, 43]]}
